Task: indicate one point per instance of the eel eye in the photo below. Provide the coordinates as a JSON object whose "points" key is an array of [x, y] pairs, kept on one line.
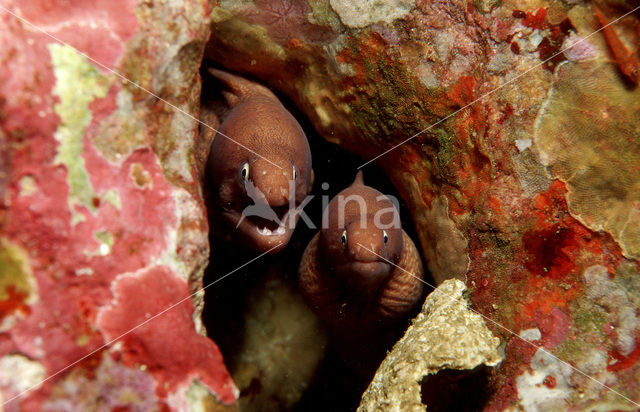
{"points": [[244, 172], [385, 236], [295, 173], [343, 238]]}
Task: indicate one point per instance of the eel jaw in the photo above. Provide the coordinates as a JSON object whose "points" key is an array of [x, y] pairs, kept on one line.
{"points": [[261, 234], [369, 275]]}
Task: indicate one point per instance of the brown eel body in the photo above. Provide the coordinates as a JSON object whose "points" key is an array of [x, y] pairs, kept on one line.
{"points": [[258, 168], [364, 300]]}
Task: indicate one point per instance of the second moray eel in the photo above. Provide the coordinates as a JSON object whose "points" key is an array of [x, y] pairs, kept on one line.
{"points": [[362, 275]]}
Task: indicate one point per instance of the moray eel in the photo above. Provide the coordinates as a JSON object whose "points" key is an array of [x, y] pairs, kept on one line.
{"points": [[363, 299], [258, 169]]}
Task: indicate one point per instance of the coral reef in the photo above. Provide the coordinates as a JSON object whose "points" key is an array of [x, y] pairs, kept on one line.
{"points": [[516, 160], [102, 225], [597, 156]]}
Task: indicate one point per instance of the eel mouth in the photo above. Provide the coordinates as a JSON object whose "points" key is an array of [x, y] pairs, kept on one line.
{"points": [[369, 275], [260, 233], [374, 268], [267, 227]]}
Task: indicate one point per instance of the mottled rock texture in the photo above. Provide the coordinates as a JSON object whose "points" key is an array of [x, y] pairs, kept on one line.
{"points": [[446, 334], [520, 194], [102, 225], [282, 344]]}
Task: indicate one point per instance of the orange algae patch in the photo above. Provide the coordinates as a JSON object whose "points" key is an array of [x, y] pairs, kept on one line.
{"points": [[462, 92], [536, 20], [624, 362], [368, 48], [545, 302], [295, 43], [15, 301]]}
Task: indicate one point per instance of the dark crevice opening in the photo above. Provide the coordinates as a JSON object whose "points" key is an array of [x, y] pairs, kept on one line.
{"points": [[333, 387], [456, 390]]}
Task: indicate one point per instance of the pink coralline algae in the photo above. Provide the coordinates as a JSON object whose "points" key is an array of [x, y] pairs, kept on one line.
{"points": [[554, 327], [90, 203], [118, 387], [168, 346], [103, 33], [576, 48]]}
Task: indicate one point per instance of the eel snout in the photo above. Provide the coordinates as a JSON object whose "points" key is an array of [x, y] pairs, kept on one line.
{"points": [[275, 184]]}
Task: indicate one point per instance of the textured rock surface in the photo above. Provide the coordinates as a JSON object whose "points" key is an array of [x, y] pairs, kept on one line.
{"points": [[520, 216], [101, 221], [597, 156], [446, 334], [99, 196], [282, 345]]}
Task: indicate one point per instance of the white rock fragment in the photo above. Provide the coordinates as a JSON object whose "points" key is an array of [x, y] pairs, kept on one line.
{"points": [[577, 48], [523, 144], [362, 13], [20, 373], [546, 386], [536, 38], [531, 335], [446, 334]]}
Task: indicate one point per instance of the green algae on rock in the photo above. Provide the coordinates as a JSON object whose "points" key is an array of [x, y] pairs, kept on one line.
{"points": [[17, 285], [78, 83], [587, 134]]}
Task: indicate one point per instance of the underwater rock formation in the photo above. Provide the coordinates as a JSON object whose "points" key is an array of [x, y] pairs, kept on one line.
{"points": [[446, 334], [100, 202], [102, 225], [518, 183]]}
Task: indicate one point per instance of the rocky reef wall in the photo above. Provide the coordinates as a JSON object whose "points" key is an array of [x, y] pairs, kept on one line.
{"points": [[517, 160]]}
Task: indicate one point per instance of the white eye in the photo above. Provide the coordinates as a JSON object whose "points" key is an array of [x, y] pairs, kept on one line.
{"points": [[244, 172], [385, 236], [343, 238], [295, 173]]}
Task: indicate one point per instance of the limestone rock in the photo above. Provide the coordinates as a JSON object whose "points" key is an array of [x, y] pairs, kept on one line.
{"points": [[445, 335]]}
